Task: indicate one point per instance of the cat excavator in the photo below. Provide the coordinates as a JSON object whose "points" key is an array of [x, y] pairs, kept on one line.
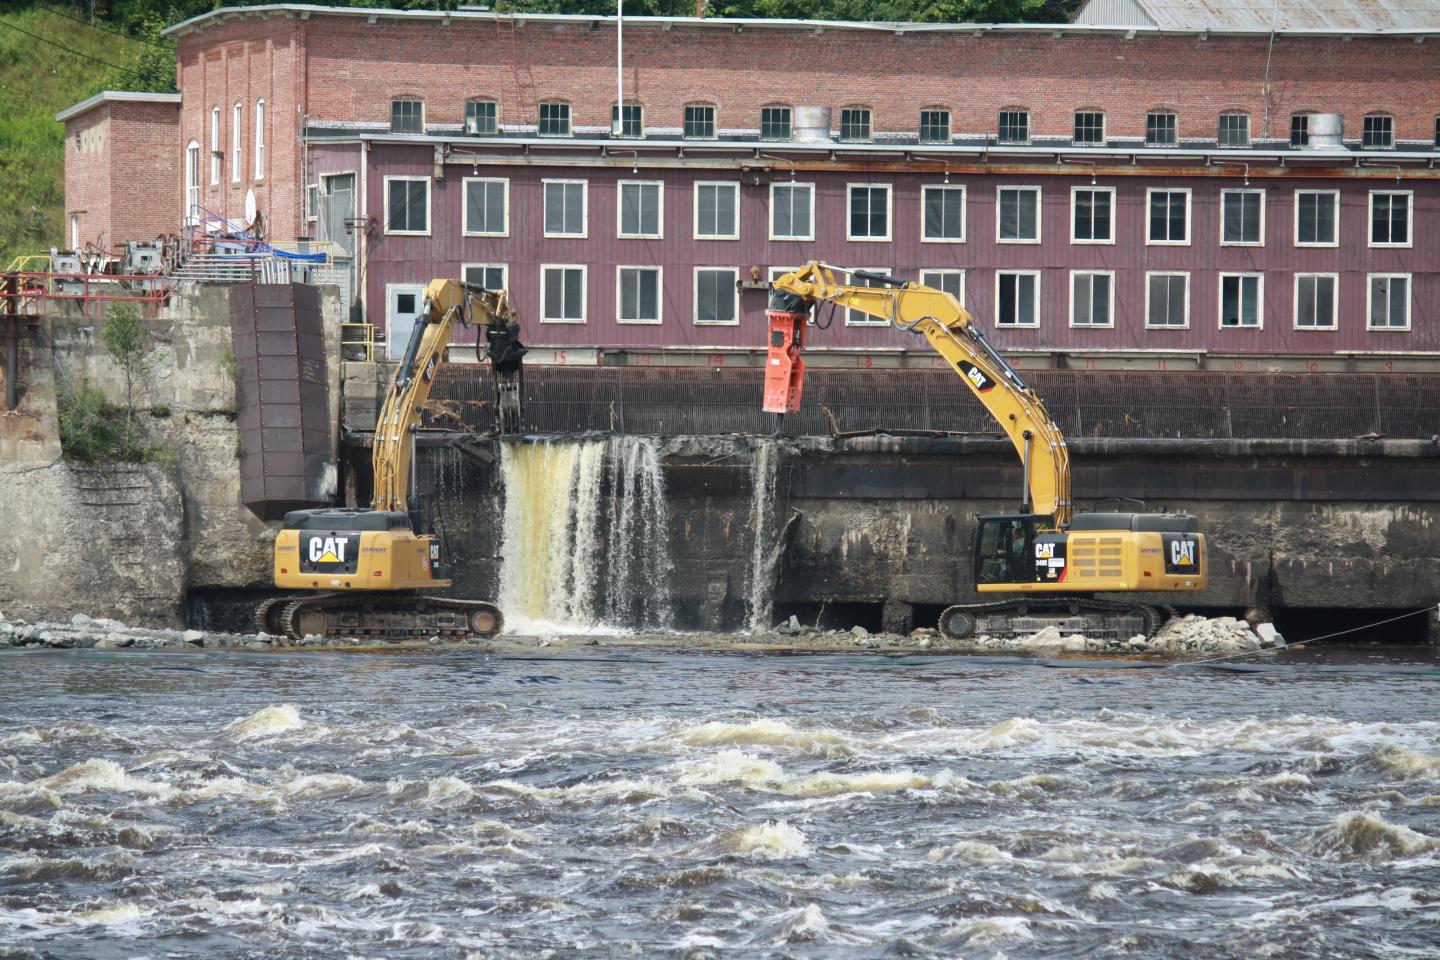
{"points": [[1048, 562], [365, 571]]}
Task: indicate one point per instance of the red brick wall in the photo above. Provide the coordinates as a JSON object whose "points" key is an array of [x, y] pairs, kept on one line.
{"points": [[343, 68], [143, 167], [87, 175], [356, 67], [121, 179], [245, 62]]}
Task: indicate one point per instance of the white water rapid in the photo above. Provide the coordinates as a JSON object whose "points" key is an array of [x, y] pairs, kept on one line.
{"points": [[585, 541]]}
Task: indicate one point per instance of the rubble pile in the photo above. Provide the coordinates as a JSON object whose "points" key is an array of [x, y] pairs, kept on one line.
{"points": [[82, 632]]}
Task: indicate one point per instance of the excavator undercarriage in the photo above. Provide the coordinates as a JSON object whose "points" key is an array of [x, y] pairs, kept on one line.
{"points": [[390, 616], [1088, 616]]}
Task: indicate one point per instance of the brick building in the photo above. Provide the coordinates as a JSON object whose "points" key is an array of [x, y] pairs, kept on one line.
{"points": [[120, 160], [1095, 193]]}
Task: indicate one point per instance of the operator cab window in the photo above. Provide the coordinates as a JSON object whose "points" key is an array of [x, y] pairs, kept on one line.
{"points": [[1003, 550]]}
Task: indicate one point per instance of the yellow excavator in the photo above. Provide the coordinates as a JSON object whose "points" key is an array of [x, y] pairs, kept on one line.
{"points": [[1049, 561], [366, 569]]}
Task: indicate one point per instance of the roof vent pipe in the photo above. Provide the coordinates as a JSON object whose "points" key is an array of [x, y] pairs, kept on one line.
{"points": [[1326, 132], [812, 124]]}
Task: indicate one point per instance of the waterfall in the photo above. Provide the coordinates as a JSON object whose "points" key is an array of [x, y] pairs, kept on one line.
{"points": [[585, 538], [762, 522]]}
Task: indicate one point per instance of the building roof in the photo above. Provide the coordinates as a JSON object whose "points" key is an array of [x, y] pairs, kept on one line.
{"points": [[1361, 16], [1425, 19], [115, 96]]}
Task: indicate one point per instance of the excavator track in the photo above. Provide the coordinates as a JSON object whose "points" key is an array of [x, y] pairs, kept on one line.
{"points": [[404, 616], [267, 616], [1024, 616]]}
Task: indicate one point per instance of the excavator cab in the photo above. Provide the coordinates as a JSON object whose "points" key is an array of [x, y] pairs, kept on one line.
{"points": [[1003, 548]]}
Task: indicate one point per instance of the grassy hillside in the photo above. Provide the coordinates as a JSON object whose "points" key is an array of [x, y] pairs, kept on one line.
{"points": [[36, 81]]}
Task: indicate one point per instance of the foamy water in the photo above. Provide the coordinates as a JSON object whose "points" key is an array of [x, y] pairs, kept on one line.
{"points": [[458, 805]]}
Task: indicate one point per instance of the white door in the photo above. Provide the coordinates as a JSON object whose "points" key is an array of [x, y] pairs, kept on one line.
{"points": [[402, 305]]}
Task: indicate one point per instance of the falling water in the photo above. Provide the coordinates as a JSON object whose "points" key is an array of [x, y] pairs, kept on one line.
{"points": [[585, 537], [762, 522]]}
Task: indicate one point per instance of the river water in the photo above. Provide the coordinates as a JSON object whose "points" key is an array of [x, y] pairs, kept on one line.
{"points": [[456, 804]]}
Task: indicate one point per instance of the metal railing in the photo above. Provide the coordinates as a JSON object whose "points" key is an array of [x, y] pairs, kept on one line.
{"points": [[357, 341], [35, 290]]}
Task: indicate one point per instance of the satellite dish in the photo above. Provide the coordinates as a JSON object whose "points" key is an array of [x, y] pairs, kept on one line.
{"points": [[250, 207]]}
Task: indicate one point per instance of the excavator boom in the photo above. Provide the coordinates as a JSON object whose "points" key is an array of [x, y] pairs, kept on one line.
{"points": [[951, 333], [1056, 562]]}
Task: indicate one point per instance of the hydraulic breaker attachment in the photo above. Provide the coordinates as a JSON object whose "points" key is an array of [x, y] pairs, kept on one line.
{"points": [[784, 368]]}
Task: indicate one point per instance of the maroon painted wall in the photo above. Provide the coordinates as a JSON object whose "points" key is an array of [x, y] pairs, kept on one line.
{"points": [[397, 259]]}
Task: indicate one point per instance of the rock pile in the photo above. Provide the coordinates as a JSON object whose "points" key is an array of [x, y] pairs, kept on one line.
{"points": [[1189, 634]]}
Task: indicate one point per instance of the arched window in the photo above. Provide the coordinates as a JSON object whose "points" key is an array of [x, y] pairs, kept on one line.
{"points": [[260, 139], [482, 117], [237, 132], [699, 121], [215, 153], [1378, 132], [192, 181]]}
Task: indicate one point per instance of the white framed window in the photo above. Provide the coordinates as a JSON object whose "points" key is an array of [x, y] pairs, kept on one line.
{"points": [[775, 123], [491, 276], [633, 122], [237, 133], [407, 115], [1317, 218], [1390, 217], [638, 293], [1169, 211], [1014, 126], [1378, 132], [1161, 129], [1092, 298], [566, 208], [1242, 218], [943, 214], [935, 125], [1017, 217], [717, 210], [192, 182], [485, 207], [407, 205], [699, 121], [1167, 301], [855, 123], [950, 281], [1242, 301], [642, 209], [260, 139], [482, 117], [562, 292], [1234, 130], [215, 153], [74, 231], [1092, 215], [869, 205], [1090, 127], [777, 272], [1389, 307], [792, 211], [857, 318], [554, 119], [717, 295], [1017, 298], [1317, 298]]}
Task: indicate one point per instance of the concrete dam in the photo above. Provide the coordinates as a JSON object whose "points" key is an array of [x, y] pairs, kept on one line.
{"points": [[1317, 492]]}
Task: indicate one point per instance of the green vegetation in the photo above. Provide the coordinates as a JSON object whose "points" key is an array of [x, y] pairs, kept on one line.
{"points": [[124, 336], [92, 427]]}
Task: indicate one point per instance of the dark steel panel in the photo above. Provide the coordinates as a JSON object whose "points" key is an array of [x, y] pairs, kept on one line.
{"points": [[282, 406]]}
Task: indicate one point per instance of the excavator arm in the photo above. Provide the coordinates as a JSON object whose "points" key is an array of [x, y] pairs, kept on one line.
{"points": [[948, 328], [445, 303]]}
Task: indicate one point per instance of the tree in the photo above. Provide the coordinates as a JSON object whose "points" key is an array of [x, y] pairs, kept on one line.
{"points": [[124, 336]]}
